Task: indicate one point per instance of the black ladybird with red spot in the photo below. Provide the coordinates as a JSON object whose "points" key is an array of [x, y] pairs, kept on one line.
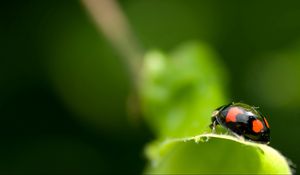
{"points": [[242, 120]]}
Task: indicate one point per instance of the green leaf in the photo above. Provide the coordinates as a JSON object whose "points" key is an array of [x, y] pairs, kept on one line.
{"points": [[180, 90], [212, 153], [178, 93]]}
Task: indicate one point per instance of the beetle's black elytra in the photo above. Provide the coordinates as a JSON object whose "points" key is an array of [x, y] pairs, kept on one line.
{"points": [[243, 120]]}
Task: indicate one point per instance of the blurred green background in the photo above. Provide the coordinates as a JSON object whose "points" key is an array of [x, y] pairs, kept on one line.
{"points": [[64, 89]]}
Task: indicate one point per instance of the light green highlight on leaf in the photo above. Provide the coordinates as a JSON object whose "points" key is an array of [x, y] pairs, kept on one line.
{"points": [[214, 153], [180, 90]]}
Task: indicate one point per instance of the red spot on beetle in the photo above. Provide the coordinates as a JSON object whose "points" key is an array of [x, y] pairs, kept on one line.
{"points": [[266, 122], [257, 125], [232, 113]]}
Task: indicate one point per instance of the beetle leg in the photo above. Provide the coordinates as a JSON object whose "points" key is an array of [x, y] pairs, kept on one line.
{"points": [[238, 136], [213, 124]]}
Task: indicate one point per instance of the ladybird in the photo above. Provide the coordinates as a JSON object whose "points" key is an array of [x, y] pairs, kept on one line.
{"points": [[242, 120]]}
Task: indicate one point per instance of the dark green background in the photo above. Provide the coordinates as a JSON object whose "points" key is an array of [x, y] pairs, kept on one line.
{"points": [[63, 89]]}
